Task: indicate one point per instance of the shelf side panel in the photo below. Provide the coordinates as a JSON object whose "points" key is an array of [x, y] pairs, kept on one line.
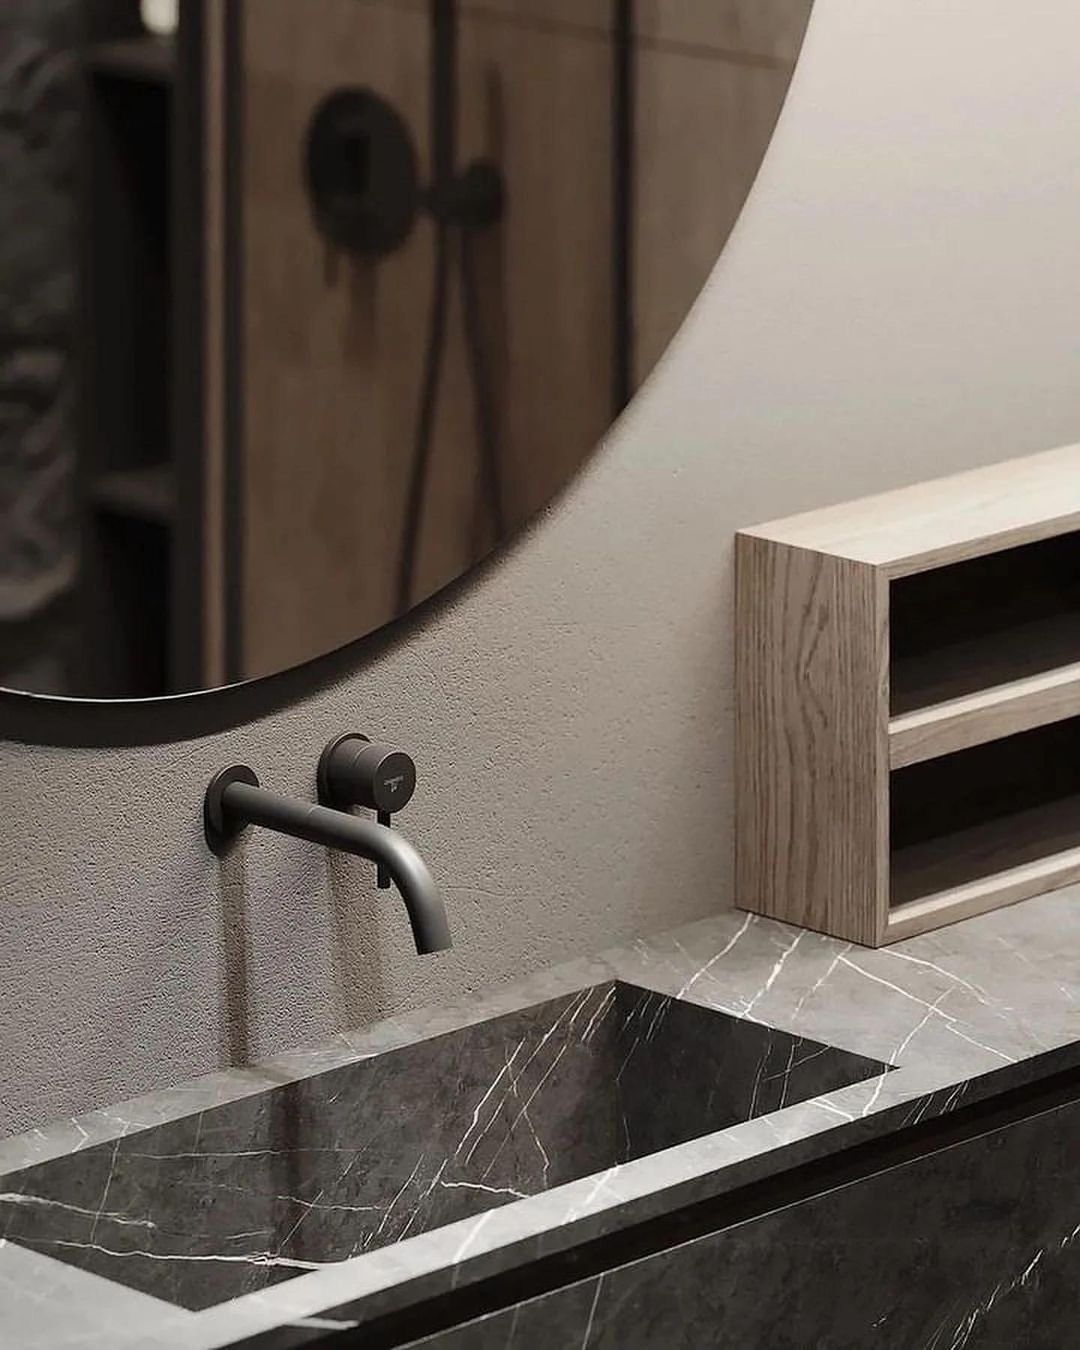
{"points": [[811, 740]]}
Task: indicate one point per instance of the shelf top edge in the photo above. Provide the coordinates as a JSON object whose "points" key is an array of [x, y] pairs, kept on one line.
{"points": [[943, 520]]}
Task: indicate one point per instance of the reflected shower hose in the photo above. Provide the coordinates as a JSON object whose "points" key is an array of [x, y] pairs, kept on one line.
{"points": [[425, 418], [452, 226], [487, 431]]}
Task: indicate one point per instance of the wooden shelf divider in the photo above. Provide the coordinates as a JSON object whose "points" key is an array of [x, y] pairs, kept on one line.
{"points": [[846, 679], [985, 715]]}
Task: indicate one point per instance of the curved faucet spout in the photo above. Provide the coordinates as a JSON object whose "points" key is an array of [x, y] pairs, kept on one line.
{"points": [[244, 803]]}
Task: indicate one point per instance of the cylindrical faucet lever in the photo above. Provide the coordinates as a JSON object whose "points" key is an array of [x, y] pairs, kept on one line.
{"points": [[356, 771]]}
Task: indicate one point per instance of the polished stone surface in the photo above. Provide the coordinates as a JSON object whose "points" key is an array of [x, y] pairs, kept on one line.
{"points": [[242, 1196], [963, 1013], [974, 1247]]}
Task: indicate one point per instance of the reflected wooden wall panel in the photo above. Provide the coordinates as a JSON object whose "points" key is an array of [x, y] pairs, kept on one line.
{"points": [[326, 382], [747, 29], [541, 104], [333, 347]]}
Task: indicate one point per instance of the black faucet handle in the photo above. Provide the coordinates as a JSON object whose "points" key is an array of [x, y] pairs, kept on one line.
{"points": [[357, 771]]}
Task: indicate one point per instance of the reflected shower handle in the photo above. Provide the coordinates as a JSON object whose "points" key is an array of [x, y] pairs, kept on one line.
{"points": [[357, 771]]}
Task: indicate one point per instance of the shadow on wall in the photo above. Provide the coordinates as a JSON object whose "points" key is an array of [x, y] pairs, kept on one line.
{"points": [[356, 956], [358, 992], [236, 955]]}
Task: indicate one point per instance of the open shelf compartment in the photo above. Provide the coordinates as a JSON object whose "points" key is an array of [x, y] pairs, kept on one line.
{"points": [[984, 827], [984, 648]]}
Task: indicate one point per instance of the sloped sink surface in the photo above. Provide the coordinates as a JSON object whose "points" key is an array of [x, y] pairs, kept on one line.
{"points": [[222, 1203]]}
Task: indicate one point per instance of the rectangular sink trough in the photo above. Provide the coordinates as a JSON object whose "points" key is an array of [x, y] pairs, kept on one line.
{"points": [[214, 1205]]}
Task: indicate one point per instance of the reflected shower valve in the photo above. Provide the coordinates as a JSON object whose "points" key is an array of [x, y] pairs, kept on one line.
{"points": [[361, 172], [362, 178]]}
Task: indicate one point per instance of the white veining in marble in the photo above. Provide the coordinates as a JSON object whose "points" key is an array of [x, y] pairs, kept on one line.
{"points": [[947, 1008]]}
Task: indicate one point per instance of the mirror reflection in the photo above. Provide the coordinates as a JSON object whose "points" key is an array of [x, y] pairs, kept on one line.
{"points": [[305, 307]]}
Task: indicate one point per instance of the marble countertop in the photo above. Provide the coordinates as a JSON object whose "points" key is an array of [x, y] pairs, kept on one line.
{"points": [[962, 1013]]}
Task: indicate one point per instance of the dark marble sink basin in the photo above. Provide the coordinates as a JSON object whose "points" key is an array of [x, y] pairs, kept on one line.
{"points": [[225, 1202]]}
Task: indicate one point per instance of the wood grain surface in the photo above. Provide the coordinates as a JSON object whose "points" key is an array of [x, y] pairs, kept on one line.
{"points": [[811, 752], [908, 716], [333, 346], [965, 515]]}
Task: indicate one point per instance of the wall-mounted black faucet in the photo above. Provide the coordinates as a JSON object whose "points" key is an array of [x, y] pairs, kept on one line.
{"points": [[234, 800]]}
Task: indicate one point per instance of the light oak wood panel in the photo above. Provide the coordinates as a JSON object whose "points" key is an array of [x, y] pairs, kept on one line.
{"points": [[966, 515], [811, 690], [974, 767], [986, 715]]}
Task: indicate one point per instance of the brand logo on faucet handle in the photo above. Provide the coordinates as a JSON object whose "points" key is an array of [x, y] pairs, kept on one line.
{"points": [[392, 784]]}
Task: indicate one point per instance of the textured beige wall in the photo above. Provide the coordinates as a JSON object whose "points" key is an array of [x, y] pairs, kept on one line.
{"points": [[900, 298]]}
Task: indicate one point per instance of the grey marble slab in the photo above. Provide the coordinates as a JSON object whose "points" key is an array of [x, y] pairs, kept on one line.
{"points": [[961, 1013], [975, 1245], [250, 1193], [63, 1306]]}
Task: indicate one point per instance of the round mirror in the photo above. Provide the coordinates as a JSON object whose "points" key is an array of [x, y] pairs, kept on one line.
{"points": [[305, 308]]}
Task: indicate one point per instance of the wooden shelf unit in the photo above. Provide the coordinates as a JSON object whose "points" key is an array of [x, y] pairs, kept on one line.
{"points": [[908, 702]]}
